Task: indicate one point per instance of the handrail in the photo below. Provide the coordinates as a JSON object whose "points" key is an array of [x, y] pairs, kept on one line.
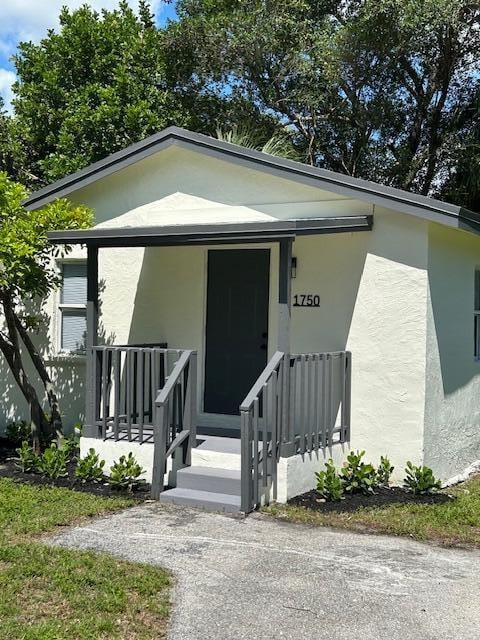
{"points": [[175, 421], [262, 419], [262, 379], [173, 378]]}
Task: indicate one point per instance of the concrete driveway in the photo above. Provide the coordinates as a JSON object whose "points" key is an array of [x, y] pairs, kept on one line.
{"points": [[261, 579]]}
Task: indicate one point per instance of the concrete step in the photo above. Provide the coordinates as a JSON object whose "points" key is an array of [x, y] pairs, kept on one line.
{"points": [[210, 479], [217, 453], [207, 500]]}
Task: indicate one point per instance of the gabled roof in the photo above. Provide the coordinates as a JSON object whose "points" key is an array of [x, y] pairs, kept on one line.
{"points": [[404, 201]]}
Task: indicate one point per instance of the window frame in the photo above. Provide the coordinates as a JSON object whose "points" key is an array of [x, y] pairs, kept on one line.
{"points": [[61, 307]]}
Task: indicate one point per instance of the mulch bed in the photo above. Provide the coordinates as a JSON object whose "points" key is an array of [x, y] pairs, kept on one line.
{"points": [[9, 469], [382, 497]]}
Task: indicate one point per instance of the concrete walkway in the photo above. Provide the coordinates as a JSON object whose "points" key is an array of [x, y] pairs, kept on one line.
{"points": [[262, 579]]}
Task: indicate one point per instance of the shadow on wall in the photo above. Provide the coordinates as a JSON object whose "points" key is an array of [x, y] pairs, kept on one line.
{"points": [[67, 373], [331, 267], [452, 263], [168, 303]]}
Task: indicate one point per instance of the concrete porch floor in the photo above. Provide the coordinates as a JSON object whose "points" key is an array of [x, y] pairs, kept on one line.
{"points": [[259, 578]]}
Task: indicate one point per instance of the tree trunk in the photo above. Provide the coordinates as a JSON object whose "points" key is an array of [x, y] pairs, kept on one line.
{"points": [[55, 418], [41, 429]]}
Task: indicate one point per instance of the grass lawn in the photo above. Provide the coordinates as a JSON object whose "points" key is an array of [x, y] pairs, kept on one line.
{"points": [[55, 594], [455, 523]]}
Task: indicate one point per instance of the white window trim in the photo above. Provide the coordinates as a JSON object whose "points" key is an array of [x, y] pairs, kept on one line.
{"points": [[60, 307]]}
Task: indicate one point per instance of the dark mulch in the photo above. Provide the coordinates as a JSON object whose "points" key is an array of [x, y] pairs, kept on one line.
{"points": [[10, 469], [381, 498]]}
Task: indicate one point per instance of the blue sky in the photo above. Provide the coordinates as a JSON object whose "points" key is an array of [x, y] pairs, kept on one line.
{"points": [[30, 19]]}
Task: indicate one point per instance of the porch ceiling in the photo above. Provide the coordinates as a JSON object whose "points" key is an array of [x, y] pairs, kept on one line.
{"points": [[211, 233]]}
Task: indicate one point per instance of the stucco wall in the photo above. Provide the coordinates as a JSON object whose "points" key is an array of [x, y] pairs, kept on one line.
{"points": [[373, 289], [452, 403]]}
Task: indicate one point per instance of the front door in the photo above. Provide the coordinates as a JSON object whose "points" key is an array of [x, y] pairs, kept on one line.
{"points": [[237, 326]]}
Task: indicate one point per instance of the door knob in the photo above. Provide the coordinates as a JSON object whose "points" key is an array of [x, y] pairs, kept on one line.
{"points": [[263, 347], [265, 335]]}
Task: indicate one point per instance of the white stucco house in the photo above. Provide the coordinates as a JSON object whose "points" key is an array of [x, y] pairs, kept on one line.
{"points": [[209, 264]]}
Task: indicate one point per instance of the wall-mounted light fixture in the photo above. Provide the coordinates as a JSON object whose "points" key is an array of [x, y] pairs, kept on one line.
{"points": [[293, 268]]}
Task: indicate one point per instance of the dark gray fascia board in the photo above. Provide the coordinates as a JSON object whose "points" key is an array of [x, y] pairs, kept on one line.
{"points": [[205, 233], [404, 201]]}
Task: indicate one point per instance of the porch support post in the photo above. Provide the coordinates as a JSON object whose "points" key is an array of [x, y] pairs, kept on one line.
{"points": [[283, 340], [284, 294], [92, 370]]}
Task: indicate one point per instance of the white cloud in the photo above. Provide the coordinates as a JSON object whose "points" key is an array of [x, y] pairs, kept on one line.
{"points": [[30, 19], [7, 78]]}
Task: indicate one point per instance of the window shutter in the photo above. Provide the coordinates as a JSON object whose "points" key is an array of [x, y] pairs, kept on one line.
{"points": [[74, 328], [74, 286]]}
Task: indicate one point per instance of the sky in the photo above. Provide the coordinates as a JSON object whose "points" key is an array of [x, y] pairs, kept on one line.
{"points": [[30, 19]]}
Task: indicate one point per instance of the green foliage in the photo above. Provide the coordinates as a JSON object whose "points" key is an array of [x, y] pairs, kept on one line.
{"points": [[28, 460], [53, 462], [90, 468], [358, 476], [18, 432], [379, 89], [420, 479], [105, 80], [329, 484], [70, 445], [125, 473], [384, 471]]}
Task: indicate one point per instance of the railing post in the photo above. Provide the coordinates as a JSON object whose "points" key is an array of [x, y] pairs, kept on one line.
{"points": [[347, 404], [159, 450], [92, 370], [191, 405], [246, 501]]}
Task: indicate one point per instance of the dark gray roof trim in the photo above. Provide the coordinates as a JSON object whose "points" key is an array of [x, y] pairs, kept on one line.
{"points": [[211, 233], [404, 201]]}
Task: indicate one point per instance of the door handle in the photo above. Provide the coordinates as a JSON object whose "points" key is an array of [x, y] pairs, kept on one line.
{"points": [[263, 347], [265, 335]]}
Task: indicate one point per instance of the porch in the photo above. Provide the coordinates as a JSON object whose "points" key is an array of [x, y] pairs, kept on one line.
{"points": [[152, 397]]}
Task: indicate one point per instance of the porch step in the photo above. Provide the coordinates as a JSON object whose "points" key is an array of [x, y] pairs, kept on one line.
{"points": [[210, 479], [217, 452], [207, 500]]}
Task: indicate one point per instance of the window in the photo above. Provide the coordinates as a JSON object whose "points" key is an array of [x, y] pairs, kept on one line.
{"points": [[476, 315], [73, 307]]}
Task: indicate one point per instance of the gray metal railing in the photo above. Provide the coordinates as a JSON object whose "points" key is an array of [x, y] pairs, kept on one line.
{"points": [[175, 421], [300, 403], [319, 403], [126, 382], [262, 414]]}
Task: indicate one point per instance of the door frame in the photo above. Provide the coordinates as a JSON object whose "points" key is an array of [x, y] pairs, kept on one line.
{"points": [[218, 419]]}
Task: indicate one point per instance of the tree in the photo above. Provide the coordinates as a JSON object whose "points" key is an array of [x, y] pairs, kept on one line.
{"points": [[371, 88], [27, 273], [105, 81], [463, 183]]}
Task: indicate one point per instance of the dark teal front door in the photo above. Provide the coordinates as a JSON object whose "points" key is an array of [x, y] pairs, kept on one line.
{"points": [[237, 326]]}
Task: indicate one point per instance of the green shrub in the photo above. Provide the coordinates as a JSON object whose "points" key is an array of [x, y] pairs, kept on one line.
{"points": [[18, 432], [125, 474], [27, 459], [70, 445], [420, 479], [357, 476], [90, 468], [384, 471], [329, 484], [53, 462]]}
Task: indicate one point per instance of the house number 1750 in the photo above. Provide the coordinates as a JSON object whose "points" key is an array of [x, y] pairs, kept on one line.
{"points": [[306, 300]]}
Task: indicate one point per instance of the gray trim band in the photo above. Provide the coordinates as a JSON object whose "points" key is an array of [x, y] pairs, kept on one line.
{"points": [[215, 233], [404, 201]]}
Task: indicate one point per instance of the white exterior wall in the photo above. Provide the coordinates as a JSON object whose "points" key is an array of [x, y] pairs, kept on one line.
{"points": [[452, 403]]}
